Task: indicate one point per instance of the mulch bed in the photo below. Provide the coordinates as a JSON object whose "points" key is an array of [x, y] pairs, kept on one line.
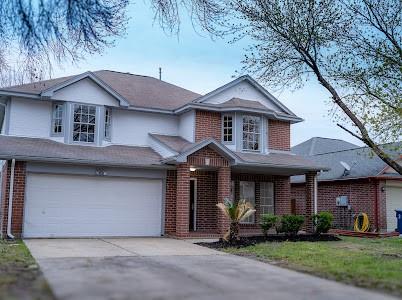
{"points": [[252, 240]]}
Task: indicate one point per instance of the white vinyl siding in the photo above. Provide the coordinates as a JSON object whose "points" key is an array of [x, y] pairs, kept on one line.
{"points": [[267, 204], [247, 192], [85, 206]]}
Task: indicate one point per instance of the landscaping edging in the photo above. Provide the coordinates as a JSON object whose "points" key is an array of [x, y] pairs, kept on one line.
{"points": [[252, 240]]}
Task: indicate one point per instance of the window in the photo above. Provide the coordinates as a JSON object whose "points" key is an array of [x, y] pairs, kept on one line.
{"points": [[57, 119], [232, 191], [247, 192], [227, 129], [267, 198], [251, 133], [84, 122], [108, 123]]}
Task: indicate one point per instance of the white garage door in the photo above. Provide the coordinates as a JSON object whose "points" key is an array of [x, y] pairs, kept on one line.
{"points": [[394, 201], [84, 206]]}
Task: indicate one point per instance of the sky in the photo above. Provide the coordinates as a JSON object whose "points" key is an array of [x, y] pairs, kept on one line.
{"points": [[196, 62]]}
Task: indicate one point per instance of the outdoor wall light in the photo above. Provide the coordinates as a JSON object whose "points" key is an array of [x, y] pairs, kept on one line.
{"points": [[192, 169]]}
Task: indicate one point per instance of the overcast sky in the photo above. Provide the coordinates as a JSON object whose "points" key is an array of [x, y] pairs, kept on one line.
{"points": [[196, 62]]}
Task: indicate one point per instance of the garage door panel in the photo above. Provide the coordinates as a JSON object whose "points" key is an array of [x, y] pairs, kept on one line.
{"points": [[394, 201], [65, 205]]}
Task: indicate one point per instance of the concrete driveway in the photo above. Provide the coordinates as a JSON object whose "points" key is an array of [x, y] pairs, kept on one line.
{"points": [[162, 268]]}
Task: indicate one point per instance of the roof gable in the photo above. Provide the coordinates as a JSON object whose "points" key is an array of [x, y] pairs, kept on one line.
{"points": [[87, 90], [245, 88]]}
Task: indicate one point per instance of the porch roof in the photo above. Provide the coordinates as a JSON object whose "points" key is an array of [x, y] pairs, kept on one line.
{"points": [[278, 163]]}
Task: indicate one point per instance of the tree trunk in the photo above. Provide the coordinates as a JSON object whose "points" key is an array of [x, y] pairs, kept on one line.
{"points": [[234, 232], [365, 138]]}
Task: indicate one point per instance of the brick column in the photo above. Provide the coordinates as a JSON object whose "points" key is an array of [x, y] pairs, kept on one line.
{"points": [[183, 200], [18, 198], [223, 192], [309, 211]]}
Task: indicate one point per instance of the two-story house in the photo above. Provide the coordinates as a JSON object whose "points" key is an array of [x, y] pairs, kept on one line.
{"points": [[115, 154]]}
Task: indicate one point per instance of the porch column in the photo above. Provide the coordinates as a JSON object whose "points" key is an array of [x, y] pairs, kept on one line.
{"points": [[183, 200], [310, 199], [223, 192]]}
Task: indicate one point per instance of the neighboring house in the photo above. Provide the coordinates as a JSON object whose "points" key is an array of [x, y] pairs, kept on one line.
{"points": [[358, 181], [115, 154]]}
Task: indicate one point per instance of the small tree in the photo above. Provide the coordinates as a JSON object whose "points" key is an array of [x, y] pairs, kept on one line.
{"points": [[235, 212], [268, 221]]}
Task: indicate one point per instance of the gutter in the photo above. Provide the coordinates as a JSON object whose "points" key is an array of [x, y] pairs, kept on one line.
{"points": [[10, 200]]}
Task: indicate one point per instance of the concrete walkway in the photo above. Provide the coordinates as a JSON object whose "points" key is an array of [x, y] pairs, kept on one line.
{"points": [[162, 268]]}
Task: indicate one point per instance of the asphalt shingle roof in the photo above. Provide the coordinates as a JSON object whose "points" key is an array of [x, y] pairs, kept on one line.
{"points": [[362, 162], [319, 145], [138, 90], [24, 148]]}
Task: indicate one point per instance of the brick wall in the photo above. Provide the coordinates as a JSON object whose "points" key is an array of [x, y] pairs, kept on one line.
{"points": [[18, 199], [207, 186], [278, 135], [170, 202], [361, 195], [207, 125], [215, 159], [182, 200]]}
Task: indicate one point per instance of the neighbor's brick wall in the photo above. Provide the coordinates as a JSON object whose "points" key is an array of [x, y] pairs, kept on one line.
{"points": [[207, 125], [18, 199], [361, 195], [278, 135]]}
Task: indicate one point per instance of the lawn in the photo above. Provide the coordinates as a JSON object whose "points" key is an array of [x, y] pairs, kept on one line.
{"points": [[20, 277], [370, 263]]}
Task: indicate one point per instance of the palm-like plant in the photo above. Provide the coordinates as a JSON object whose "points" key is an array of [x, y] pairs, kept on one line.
{"points": [[235, 212]]}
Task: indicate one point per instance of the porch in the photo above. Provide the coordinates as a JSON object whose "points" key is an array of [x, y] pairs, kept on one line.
{"points": [[207, 178]]}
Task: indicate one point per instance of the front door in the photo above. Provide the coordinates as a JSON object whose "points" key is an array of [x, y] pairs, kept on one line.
{"points": [[193, 204]]}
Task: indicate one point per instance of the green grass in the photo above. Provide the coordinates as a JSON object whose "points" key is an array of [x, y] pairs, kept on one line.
{"points": [[20, 277], [371, 263]]}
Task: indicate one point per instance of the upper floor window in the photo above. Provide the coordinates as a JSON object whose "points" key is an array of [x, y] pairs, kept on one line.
{"points": [[84, 122], [57, 119], [251, 133], [108, 123], [227, 128]]}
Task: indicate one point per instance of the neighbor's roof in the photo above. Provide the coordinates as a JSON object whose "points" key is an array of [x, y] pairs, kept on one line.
{"points": [[37, 149], [320, 145], [138, 90], [362, 162]]}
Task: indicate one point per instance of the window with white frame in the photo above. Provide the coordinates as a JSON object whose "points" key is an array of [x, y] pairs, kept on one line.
{"points": [[227, 127], [57, 119], [108, 123], [247, 192], [267, 198], [84, 123], [232, 191], [251, 133]]}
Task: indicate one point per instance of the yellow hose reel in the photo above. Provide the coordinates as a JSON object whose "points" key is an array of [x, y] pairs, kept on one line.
{"points": [[364, 226]]}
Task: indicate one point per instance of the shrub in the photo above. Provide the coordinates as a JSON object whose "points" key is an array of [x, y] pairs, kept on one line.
{"points": [[322, 222], [267, 222], [291, 224]]}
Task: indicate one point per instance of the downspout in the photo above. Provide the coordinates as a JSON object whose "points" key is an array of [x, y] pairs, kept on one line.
{"points": [[10, 200], [376, 210], [315, 195]]}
